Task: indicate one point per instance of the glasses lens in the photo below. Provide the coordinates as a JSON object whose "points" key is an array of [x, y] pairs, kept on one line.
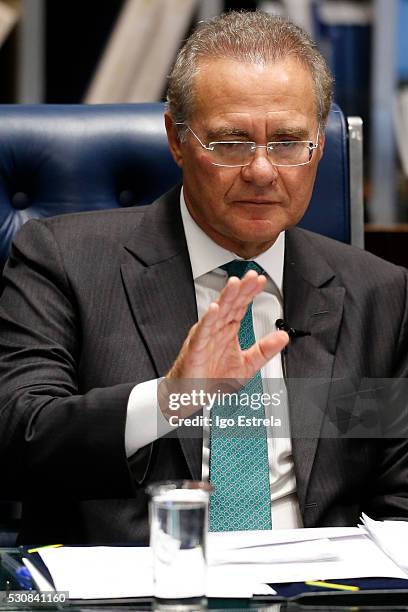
{"points": [[289, 153], [232, 153]]}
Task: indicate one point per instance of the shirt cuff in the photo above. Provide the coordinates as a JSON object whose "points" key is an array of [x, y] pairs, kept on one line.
{"points": [[145, 422]]}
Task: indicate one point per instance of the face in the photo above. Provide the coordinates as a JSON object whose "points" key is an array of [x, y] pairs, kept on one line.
{"points": [[245, 208]]}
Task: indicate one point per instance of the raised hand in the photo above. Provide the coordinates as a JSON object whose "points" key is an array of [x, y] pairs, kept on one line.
{"points": [[211, 350]]}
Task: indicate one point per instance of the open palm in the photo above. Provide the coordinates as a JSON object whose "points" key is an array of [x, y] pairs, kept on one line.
{"points": [[212, 351]]}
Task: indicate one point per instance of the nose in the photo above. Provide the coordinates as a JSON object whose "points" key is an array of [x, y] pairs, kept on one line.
{"points": [[260, 171]]}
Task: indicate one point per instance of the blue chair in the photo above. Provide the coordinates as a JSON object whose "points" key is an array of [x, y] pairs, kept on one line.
{"points": [[64, 158], [60, 159]]}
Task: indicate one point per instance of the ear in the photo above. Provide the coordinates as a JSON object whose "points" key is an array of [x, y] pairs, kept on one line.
{"points": [[173, 139], [322, 140]]}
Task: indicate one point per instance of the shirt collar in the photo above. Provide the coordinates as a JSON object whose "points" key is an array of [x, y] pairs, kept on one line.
{"points": [[206, 255]]}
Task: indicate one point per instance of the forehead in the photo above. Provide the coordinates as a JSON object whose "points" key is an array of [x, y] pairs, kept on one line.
{"points": [[232, 93]]}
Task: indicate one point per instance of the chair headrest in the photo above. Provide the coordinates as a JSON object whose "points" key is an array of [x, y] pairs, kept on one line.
{"points": [[57, 159]]}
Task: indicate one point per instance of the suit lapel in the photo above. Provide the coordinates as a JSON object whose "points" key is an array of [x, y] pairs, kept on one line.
{"points": [[160, 289], [159, 286], [313, 302]]}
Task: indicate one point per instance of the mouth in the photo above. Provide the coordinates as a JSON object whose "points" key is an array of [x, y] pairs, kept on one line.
{"points": [[257, 202]]}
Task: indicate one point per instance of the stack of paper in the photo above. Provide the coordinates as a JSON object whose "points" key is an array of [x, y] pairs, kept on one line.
{"points": [[391, 537], [241, 564], [103, 572], [352, 553]]}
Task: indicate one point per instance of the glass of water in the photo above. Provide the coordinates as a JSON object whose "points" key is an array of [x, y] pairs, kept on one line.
{"points": [[178, 513]]}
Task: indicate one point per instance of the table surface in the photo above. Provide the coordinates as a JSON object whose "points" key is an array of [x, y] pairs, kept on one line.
{"points": [[379, 594]]}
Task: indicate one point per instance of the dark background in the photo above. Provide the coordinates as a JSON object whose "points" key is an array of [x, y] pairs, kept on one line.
{"points": [[76, 34]]}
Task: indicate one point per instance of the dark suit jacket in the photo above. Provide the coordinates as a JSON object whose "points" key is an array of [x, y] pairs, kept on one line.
{"points": [[97, 302]]}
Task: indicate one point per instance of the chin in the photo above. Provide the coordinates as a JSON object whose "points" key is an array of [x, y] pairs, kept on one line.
{"points": [[259, 230]]}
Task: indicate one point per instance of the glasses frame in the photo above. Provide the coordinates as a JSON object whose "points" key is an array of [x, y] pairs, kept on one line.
{"points": [[269, 147]]}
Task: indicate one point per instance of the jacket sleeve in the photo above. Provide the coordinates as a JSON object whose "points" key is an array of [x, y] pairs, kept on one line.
{"points": [[390, 486], [52, 438]]}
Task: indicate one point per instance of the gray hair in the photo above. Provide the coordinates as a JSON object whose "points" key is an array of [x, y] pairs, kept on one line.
{"points": [[251, 37]]}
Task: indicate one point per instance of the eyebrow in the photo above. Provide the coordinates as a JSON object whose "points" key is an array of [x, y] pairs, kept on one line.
{"points": [[290, 132], [226, 131]]}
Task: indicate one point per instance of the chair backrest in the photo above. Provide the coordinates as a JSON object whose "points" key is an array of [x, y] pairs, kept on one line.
{"points": [[67, 158]]}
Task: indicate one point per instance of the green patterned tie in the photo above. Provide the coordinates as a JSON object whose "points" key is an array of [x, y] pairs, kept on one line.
{"points": [[239, 467]]}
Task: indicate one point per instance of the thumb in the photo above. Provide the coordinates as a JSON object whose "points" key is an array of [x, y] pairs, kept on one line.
{"points": [[266, 348]]}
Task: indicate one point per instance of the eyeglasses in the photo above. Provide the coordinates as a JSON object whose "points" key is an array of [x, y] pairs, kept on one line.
{"points": [[235, 153]]}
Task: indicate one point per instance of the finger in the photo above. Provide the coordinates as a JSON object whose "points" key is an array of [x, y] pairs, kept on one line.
{"points": [[238, 296], [226, 302], [205, 328], [250, 284], [230, 292], [208, 334], [232, 304], [262, 351], [246, 297], [235, 287]]}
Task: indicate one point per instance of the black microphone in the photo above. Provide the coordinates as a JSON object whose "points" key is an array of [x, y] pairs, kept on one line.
{"points": [[291, 331]]}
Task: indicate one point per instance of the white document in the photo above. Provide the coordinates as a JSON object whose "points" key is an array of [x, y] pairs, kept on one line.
{"points": [[99, 572], [103, 572], [357, 557], [240, 564], [294, 552], [391, 537], [231, 540]]}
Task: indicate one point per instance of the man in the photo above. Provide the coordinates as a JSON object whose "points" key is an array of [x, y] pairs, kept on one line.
{"points": [[98, 307]]}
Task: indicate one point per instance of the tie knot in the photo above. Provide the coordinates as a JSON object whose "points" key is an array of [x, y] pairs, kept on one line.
{"points": [[239, 267]]}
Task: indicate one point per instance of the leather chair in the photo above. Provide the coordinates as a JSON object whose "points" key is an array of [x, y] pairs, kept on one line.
{"points": [[58, 159], [67, 158]]}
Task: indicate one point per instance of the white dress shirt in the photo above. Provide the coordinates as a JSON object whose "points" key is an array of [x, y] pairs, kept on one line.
{"points": [[144, 425]]}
